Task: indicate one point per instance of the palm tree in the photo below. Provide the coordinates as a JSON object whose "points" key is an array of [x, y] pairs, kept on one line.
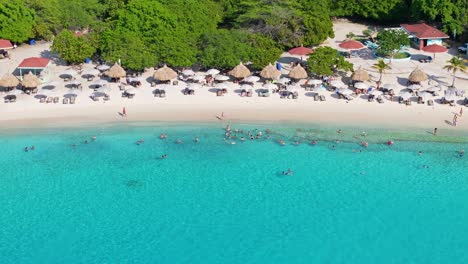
{"points": [[381, 66], [454, 65]]}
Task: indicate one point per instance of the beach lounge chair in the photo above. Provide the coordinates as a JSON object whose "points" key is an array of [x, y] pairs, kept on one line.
{"points": [[12, 98], [156, 93], [162, 93], [106, 97], [371, 98], [122, 86], [94, 98], [65, 100], [316, 97], [153, 84], [408, 102], [49, 100], [323, 98], [380, 100], [430, 102], [295, 95], [7, 99], [56, 99], [72, 100], [42, 100], [249, 93], [219, 92]]}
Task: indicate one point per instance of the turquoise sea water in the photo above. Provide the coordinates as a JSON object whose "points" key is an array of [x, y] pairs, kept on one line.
{"points": [[113, 201]]}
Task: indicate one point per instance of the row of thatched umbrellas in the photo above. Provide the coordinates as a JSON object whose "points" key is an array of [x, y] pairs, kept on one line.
{"points": [[416, 76]]}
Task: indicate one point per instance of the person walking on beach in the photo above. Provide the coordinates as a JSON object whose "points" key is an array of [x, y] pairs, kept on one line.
{"points": [[124, 112], [455, 120], [435, 131], [461, 112]]}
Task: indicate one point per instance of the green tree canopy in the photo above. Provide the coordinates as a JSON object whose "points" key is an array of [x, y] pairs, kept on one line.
{"points": [[72, 49], [326, 60], [391, 41], [16, 20]]}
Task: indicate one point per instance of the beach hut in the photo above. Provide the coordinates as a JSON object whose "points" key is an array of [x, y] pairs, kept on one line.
{"points": [[30, 81], [360, 75], [298, 73], [164, 74], [422, 35], [9, 81], [270, 72], [35, 65], [417, 76], [116, 72], [240, 71]]}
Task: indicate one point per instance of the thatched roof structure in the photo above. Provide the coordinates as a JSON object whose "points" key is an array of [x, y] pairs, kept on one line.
{"points": [[360, 75], [165, 74], [116, 71], [240, 71], [30, 81], [270, 72], [9, 80], [417, 76], [298, 73]]}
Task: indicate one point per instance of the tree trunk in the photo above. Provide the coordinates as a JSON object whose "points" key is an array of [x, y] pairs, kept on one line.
{"points": [[453, 82]]}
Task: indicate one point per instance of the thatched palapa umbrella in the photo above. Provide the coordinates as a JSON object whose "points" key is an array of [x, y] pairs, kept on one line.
{"points": [[116, 72], [30, 81], [165, 74], [9, 81], [270, 72], [298, 73], [360, 75], [240, 71], [417, 76]]}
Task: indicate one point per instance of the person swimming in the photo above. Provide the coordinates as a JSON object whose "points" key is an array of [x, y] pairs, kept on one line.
{"points": [[462, 153], [163, 136], [93, 138], [164, 156], [33, 148], [282, 143], [364, 144], [242, 139], [289, 172], [26, 149], [420, 153], [196, 140], [314, 142], [179, 141]]}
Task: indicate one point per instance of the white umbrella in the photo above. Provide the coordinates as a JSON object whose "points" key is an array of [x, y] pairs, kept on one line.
{"points": [[315, 82], [337, 83], [424, 95], [414, 87], [284, 80], [376, 93], [72, 92], [188, 72], [104, 90], [74, 83], [69, 73], [198, 78], [194, 85], [103, 67], [269, 86], [132, 90], [44, 92], [388, 86], [222, 86], [433, 89], [360, 85], [212, 72], [345, 91], [405, 95], [91, 72], [221, 77], [450, 97], [99, 83], [252, 79], [246, 87], [15, 92], [52, 84]]}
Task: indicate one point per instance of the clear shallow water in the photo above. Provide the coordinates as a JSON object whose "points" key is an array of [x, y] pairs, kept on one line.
{"points": [[112, 201]]}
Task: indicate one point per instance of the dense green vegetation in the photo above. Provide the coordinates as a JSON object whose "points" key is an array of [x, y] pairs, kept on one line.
{"points": [[145, 33]]}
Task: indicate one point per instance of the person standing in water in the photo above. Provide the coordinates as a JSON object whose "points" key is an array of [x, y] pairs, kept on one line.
{"points": [[435, 131]]}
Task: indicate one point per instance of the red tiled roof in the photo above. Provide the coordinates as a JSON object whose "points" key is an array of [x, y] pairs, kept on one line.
{"points": [[424, 31], [5, 44], [34, 62]]}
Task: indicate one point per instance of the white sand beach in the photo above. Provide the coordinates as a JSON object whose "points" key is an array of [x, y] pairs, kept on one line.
{"points": [[205, 106]]}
